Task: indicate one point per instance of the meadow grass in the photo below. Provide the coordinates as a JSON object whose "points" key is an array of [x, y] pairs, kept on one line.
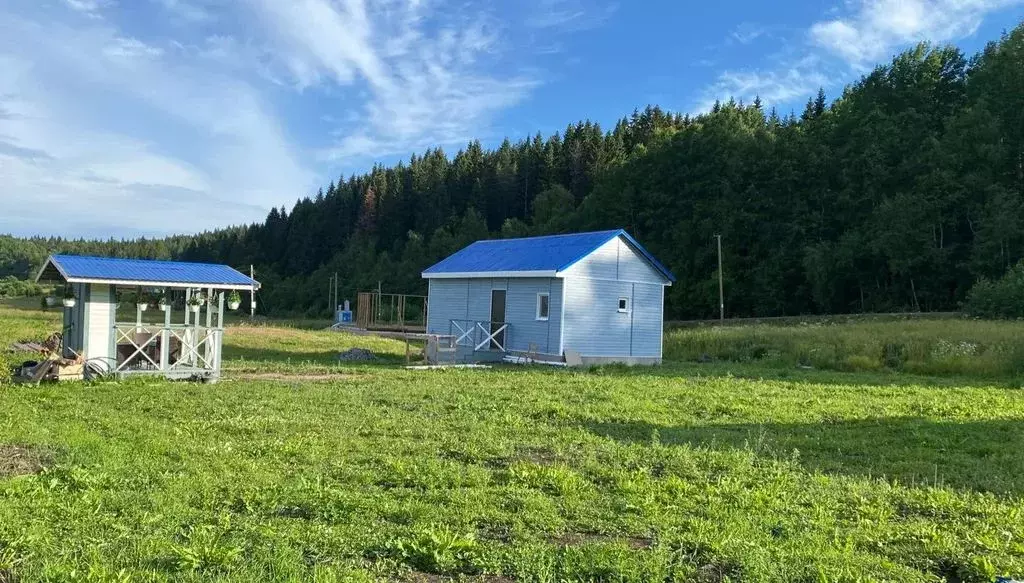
{"points": [[377, 473], [947, 346]]}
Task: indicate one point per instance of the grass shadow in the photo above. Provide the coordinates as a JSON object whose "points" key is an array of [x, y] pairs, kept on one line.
{"points": [[278, 357], [983, 456], [760, 371]]}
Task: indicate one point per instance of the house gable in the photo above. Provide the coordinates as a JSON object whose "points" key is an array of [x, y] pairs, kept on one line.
{"points": [[619, 260]]}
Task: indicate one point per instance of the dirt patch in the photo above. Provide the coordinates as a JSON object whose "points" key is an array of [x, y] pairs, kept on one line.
{"points": [[540, 456], [21, 460], [284, 376], [574, 539], [357, 355], [717, 572]]}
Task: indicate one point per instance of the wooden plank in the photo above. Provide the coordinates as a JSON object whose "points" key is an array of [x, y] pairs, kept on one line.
{"points": [[572, 358]]}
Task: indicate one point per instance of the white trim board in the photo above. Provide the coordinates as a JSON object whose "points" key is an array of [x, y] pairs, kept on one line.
{"points": [[488, 274], [524, 274], [174, 284]]}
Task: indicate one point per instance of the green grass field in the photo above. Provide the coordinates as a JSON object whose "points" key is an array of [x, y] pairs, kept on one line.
{"points": [[295, 468]]}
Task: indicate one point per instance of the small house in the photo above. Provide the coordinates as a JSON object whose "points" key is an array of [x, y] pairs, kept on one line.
{"points": [[132, 316], [599, 295]]}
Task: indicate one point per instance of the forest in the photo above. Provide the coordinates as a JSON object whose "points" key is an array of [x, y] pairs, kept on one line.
{"points": [[898, 195]]}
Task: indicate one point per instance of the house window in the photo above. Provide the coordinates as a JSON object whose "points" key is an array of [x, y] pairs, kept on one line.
{"points": [[623, 304], [543, 303]]}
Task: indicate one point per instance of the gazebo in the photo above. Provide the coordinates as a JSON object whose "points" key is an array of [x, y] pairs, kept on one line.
{"points": [[109, 323]]}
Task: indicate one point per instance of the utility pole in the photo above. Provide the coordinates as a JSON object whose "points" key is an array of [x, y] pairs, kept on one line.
{"points": [[330, 294], [252, 295], [721, 287]]}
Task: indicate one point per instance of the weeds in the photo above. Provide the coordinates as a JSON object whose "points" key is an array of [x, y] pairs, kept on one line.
{"points": [[946, 346], [436, 549], [205, 547]]}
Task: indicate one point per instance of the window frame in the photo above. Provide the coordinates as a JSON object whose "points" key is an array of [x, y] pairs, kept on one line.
{"points": [[537, 314], [623, 310]]}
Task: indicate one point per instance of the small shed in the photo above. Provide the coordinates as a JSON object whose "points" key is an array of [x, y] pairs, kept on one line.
{"points": [[598, 294], [134, 316]]}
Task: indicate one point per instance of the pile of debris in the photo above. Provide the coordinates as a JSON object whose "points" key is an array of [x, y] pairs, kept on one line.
{"points": [[52, 367], [356, 355], [49, 346]]}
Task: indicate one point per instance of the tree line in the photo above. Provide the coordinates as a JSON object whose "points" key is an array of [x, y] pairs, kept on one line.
{"points": [[898, 195]]}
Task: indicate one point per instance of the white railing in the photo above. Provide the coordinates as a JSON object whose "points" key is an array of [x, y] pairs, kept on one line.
{"points": [[198, 346], [480, 335]]}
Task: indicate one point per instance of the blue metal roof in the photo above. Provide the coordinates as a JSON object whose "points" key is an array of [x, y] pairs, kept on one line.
{"points": [[551, 253], [76, 267]]}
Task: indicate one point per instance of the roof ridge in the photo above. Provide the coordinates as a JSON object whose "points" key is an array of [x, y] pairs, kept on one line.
{"points": [[108, 258], [609, 231]]}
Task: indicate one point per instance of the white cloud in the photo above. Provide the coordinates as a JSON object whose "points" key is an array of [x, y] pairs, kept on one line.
{"points": [[187, 12], [835, 49], [204, 113], [88, 7], [571, 15], [130, 48], [423, 83], [875, 28], [747, 33], [773, 86], [62, 150]]}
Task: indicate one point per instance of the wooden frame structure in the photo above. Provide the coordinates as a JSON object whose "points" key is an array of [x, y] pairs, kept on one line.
{"points": [[385, 311]]}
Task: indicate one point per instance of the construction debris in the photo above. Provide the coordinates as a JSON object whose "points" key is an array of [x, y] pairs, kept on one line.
{"points": [[356, 355], [49, 346], [53, 366], [514, 359]]}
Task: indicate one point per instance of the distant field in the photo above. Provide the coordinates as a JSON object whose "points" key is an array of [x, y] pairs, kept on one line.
{"points": [[942, 346], [741, 469]]}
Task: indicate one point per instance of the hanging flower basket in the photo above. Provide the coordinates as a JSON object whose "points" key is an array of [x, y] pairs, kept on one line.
{"points": [[164, 304], [196, 302], [142, 306], [69, 300], [234, 300]]}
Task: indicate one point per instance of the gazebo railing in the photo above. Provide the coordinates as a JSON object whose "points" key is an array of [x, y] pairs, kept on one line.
{"points": [[166, 348]]}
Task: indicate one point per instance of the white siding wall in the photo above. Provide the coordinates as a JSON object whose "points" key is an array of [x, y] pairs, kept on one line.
{"points": [[100, 321], [648, 319], [593, 286], [594, 326], [616, 260]]}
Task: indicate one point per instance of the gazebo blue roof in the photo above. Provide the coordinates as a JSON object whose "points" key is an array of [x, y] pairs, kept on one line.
{"points": [[85, 269], [532, 256]]}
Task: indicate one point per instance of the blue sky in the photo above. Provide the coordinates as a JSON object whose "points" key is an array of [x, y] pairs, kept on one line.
{"points": [[148, 117]]}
